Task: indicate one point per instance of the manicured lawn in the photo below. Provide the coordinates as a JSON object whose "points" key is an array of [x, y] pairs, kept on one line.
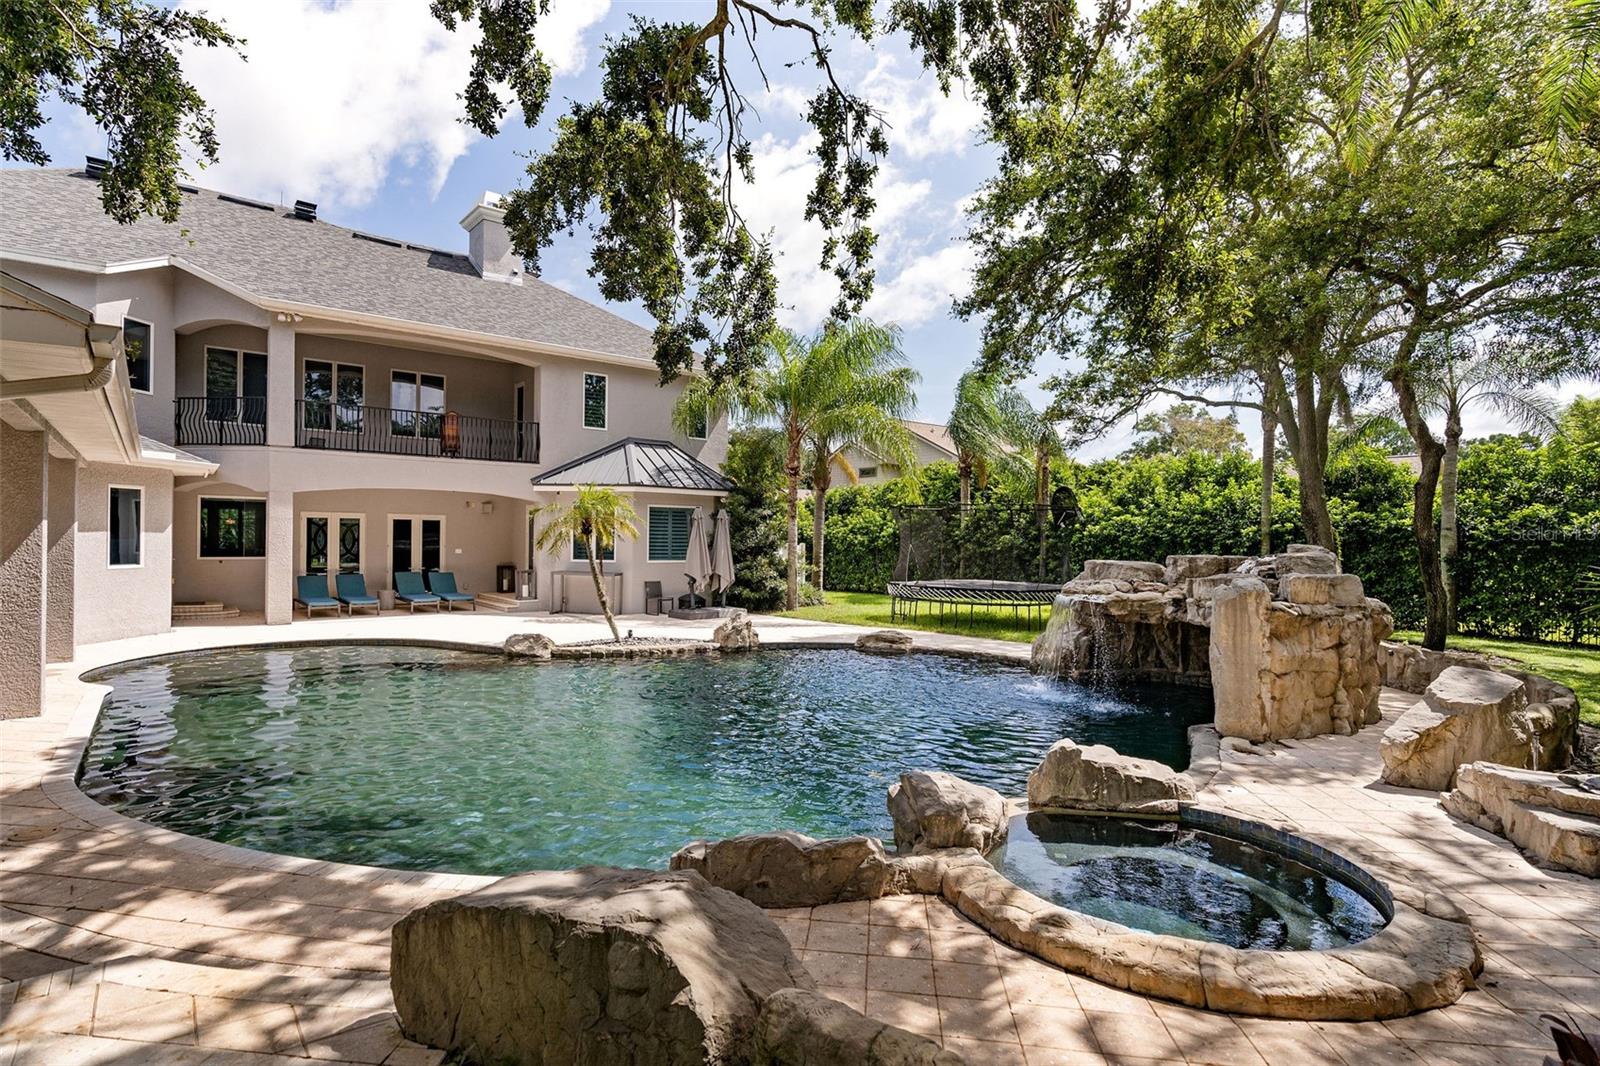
{"points": [[1577, 668], [872, 609]]}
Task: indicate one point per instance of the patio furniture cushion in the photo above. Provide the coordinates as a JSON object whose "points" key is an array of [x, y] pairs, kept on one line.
{"points": [[312, 590], [442, 583], [352, 589], [408, 587]]}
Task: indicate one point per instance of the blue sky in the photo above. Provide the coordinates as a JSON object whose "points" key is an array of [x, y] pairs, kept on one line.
{"points": [[354, 105]]}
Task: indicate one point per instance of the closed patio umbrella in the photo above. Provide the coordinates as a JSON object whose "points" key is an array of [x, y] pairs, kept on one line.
{"points": [[722, 553], [697, 564]]}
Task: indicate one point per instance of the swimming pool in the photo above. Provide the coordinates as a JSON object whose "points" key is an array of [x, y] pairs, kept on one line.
{"points": [[432, 759]]}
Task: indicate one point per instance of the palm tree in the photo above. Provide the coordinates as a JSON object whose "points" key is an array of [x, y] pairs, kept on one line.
{"points": [[983, 427], [596, 517], [1470, 373], [845, 386]]}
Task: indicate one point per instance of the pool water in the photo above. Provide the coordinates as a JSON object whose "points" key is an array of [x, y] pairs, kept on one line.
{"points": [[430, 759], [1165, 877]]}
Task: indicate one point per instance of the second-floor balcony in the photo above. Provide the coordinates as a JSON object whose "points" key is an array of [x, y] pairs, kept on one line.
{"points": [[333, 426]]}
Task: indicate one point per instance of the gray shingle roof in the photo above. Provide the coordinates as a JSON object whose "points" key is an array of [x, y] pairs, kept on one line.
{"points": [[637, 463], [271, 254]]}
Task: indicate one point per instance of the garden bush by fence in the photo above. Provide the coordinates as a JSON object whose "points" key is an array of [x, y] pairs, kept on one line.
{"points": [[1529, 518]]}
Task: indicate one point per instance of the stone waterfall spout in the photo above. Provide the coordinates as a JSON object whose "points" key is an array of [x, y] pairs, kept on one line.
{"points": [[1289, 645]]}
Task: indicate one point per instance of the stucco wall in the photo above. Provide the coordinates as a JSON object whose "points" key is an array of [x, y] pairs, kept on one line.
{"points": [[637, 407], [474, 542], [22, 570], [122, 602], [238, 583], [191, 347], [61, 614]]}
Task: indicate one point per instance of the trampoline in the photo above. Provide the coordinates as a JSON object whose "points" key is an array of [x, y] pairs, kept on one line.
{"points": [[1030, 599]]}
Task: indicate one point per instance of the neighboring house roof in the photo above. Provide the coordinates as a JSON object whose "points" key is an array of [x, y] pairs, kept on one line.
{"points": [[636, 463], [934, 433], [268, 253]]}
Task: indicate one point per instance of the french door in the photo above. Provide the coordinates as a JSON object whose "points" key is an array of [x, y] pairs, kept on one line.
{"points": [[416, 542], [332, 543]]}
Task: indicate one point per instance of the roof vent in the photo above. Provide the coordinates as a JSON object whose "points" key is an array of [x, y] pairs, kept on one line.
{"points": [[305, 210], [94, 166]]}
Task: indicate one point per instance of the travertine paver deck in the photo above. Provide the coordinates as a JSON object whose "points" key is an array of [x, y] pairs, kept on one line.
{"points": [[120, 943]]}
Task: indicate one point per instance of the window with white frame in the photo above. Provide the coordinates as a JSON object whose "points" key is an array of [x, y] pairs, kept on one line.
{"points": [[669, 533], [233, 529], [126, 526], [332, 395], [416, 402], [136, 340], [236, 386], [594, 401]]}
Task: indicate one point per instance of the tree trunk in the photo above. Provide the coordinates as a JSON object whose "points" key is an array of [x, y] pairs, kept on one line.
{"points": [[1269, 462], [1311, 466], [964, 476], [1431, 454], [1041, 500], [1448, 533], [600, 585], [820, 481], [791, 471]]}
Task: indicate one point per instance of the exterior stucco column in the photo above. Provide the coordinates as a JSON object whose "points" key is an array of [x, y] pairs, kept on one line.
{"points": [[60, 640], [281, 390], [279, 598], [23, 585]]}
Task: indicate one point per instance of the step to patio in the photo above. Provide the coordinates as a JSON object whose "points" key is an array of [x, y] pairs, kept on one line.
{"points": [[506, 604], [189, 612]]}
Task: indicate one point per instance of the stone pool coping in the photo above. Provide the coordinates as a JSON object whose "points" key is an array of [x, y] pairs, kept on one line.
{"points": [[59, 782]]}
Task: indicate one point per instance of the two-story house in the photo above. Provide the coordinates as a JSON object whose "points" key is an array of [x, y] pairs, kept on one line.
{"points": [[328, 400]]}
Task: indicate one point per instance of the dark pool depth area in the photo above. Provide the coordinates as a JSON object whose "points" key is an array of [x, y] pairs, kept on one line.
{"points": [[425, 758], [1180, 880]]}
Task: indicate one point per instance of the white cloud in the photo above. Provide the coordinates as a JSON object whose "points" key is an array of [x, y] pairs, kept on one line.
{"points": [[923, 289], [922, 120], [333, 97], [785, 171]]}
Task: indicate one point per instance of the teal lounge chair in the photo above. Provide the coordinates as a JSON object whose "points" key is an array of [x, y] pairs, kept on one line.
{"points": [[311, 592], [442, 583], [409, 591], [352, 589]]}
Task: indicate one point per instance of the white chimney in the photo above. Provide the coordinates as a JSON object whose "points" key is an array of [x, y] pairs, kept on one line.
{"points": [[488, 245]]}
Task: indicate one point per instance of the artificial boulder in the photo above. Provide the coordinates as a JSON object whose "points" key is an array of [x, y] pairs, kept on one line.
{"points": [[593, 967], [802, 1028], [1550, 819], [885, 642], [938, 810], [788, 869], [1122, 570], [1095, 777], [529, 646], [1466, 715], [736, 634]]}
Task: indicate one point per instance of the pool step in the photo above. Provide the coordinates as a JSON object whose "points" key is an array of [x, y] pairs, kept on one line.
{"points": [[202, 612], [506, 604]]}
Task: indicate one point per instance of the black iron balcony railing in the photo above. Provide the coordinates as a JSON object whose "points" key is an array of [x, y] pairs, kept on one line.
{"points": [[220, 420], [388, 431]]}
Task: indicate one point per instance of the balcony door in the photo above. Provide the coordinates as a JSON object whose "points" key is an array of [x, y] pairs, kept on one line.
{"points": [[416, 542], [236, 386], [331, 543]]}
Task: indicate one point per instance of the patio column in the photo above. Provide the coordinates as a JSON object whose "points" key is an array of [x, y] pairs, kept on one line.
{"points": [[282, 390], [60, 642], [23, 590], [280, 557]]}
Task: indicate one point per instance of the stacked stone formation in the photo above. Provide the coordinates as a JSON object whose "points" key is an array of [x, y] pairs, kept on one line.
{"points": [[1288, 643]]}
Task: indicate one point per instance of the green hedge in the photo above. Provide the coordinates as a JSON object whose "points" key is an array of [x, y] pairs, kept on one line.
{"points": [[1530, 517]]}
